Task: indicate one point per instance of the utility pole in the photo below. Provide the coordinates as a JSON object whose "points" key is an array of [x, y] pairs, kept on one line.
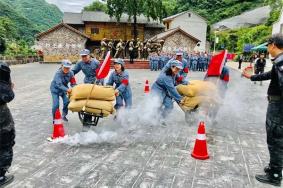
{"points": [[215, 41]]}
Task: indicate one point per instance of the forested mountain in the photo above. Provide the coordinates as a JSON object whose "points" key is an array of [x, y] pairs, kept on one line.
{"points": [[42, 14], [214, 10], [28, 17]]}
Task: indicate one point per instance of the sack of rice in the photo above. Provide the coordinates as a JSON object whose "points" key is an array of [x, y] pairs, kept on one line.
{"points": [[82, 91], [193, 102], [92, 106], [197, 88]]}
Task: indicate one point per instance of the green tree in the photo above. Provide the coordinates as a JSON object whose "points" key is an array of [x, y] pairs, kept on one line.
{"points": [[96, 6], [134, 8], [276, 6], [234, 40], [216, 10], [170, 7], [7, 33], [7, 29], [2, 45]]}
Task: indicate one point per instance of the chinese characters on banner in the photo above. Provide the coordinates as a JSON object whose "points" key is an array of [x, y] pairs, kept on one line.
{"points": [[60, 46]]}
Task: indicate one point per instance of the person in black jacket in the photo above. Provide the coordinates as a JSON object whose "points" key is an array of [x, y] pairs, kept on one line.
{"points": [[274, 116], [241, 58], [7, 129], [259, 65]]}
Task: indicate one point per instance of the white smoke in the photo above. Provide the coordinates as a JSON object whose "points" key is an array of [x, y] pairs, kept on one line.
{"points": [[139, 122], [89, 137], [142, 121]]}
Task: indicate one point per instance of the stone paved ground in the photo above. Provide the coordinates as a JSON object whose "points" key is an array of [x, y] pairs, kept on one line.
{"points": [[138, 152]]}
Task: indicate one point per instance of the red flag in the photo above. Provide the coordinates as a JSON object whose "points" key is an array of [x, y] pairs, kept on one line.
{"points": [[104, 68], [231, 56], [216, 64]]}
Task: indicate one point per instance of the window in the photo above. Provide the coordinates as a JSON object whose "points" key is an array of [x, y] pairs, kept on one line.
{"points": [[189, 15], [94, 31]]}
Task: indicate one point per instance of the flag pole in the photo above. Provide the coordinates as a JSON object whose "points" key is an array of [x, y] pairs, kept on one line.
{"points": [[99, 72]]}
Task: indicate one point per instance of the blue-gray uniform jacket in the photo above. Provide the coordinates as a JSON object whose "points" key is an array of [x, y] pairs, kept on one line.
{"points": [[122, 84], [154, 62], [167, 58], [164, 86], [59, 84], [89, 70], [185, 70], [164, 59], [203, 59], [194, 59], [194, 62]]}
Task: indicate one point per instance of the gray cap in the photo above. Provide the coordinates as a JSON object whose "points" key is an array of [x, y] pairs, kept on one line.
{"points": [[66, 63], [176, 63], [179, 52], [119, 61], [84, 52]]}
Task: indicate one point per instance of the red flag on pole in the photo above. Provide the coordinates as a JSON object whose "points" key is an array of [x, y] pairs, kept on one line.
{"points": [[216, 64], [104, 68]]}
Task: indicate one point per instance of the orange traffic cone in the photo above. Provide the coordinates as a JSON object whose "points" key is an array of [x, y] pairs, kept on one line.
{"points": [[146, 87], [58, 128], [200, 149]]}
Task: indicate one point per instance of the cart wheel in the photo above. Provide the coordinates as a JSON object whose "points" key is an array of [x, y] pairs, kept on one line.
{"points": [[88, 119]]}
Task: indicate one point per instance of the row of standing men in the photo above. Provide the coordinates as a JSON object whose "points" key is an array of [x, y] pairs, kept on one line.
{"points": [[192, 61]]}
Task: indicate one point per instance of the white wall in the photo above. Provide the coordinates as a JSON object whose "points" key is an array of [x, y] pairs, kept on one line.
{"points": [[278, 26], [193, 25]]}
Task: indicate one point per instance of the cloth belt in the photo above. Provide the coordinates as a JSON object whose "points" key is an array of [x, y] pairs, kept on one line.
{"points": [[274, 98]]}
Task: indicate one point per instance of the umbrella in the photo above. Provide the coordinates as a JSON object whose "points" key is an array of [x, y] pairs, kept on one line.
{"points": [[261, 47]]}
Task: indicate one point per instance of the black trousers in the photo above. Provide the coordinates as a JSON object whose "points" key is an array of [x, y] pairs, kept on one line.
{"points": [[240, 65], [132, 54], [274, 130], [7, 137]]}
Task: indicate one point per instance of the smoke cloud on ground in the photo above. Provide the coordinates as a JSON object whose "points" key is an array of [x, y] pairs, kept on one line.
{"points": [[142, 122]]}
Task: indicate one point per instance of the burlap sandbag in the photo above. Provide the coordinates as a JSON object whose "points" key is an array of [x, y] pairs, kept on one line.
{"points": [[197, 88], [193, 102], [103, 93], [93, 106]]}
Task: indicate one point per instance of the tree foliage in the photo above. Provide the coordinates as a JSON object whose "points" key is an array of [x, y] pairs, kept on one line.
{"points": [[19, 48], [134, 8], [276, 6], [234, 40], [96, 6], [213, 10]]}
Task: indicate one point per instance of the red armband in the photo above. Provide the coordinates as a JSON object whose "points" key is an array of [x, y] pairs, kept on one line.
{"points": [[125, 82], [186, 70], [73, 81], [179, 79], [226, 78]]}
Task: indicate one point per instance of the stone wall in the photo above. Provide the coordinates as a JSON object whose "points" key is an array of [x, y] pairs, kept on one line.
{"points": [[61, 44], [20, 60], [178, 41]]}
